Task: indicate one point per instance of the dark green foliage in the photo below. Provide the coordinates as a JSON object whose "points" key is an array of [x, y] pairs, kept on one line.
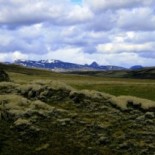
{"points": [[4, 76]]}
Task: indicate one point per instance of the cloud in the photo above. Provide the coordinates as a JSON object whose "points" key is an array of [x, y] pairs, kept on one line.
{"points": [[16, 13], [139, 19], [4, 57], [125, 47], [20, 40], [12, 56], [102, 5], [79, 14], [79, 31], [18, 55]]}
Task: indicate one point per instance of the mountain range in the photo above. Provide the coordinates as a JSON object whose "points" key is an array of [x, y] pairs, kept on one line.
{"points": [[57, 65]]}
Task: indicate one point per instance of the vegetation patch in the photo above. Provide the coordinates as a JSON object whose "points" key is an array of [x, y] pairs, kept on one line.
{"points": [[127, 102], [4, 76], [40, 114]]}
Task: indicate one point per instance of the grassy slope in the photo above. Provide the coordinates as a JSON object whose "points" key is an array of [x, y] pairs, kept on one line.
{"points": [[144, 88]]}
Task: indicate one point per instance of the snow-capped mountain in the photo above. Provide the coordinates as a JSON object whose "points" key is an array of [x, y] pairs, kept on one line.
{"points": [[58, 65]]}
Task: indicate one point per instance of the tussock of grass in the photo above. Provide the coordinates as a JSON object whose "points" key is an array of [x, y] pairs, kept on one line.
{"points": [[91, 94], [22, 121], [8, 87], [15, 106], [89, 100], [54, 84], [124, 102], [42, 147], [13, 101], [38, 105], [11, 105], [46, 91]]}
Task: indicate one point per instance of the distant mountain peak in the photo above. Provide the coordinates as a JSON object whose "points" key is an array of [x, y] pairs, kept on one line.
{"points": [[94, 64], [58, 65]]}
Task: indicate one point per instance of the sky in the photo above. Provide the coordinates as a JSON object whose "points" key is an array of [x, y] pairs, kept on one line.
{"points": [[110, 32]]}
